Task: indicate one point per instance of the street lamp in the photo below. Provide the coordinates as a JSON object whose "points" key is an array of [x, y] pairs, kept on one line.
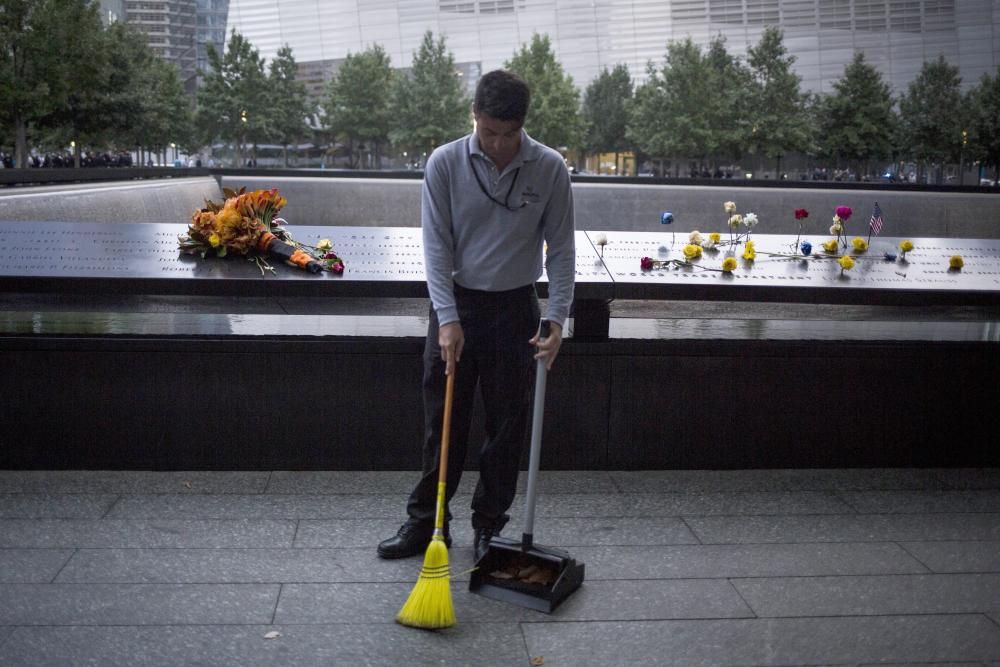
{"points": [[961, 158]]}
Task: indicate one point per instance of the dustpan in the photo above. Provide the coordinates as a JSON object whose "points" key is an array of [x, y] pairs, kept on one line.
{"points": [[524, 573]]}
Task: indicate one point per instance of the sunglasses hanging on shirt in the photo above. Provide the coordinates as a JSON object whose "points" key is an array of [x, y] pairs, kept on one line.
{"points": [[493, 199]]}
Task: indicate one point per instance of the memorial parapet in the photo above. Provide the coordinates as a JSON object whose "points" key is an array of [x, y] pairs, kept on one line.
{"points": [[182, 389], [779, 274], [118, 259], [387, 262]]}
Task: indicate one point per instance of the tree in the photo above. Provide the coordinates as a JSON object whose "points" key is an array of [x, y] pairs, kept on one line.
{"points": [[777, 106], [429, 106], [605, 111], [289, 103], [669, 114], [36, 79], [931, 114], [232, 104], [81, 117], [984, 122], [553, 117], [857, 121], [357, 100], [729, 89]]}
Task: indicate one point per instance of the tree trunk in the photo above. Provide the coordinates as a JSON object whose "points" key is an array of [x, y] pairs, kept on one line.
{"points": [[20, 142]]}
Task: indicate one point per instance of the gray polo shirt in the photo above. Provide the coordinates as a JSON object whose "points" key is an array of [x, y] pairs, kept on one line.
{"points": [[473, 241]]}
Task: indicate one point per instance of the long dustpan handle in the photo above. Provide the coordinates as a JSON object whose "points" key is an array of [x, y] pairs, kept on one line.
{"points": [[449, 394], [535, 455]]}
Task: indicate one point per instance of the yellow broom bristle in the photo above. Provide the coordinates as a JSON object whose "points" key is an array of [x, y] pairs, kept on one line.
{"points": [[429, 605]]}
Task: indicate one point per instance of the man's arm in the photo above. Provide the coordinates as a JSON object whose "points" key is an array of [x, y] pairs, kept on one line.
{"points": [[439, 258], [560, 264]]}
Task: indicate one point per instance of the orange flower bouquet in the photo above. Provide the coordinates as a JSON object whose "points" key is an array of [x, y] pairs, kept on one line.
{"points": [[245, 224]]}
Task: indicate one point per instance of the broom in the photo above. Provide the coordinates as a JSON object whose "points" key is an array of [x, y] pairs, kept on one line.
{"points": [[429, 605]]}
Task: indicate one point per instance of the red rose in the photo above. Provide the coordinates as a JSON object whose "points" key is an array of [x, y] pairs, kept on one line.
{"points": [[844, 212], [646, 263], [338, 268], [801, 213]]}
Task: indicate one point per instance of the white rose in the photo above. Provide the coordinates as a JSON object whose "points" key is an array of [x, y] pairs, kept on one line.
{"points": [[601, 239], [694, 237], [750, 219]]}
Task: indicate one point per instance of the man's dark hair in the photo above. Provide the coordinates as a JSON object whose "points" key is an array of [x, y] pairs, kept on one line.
{"points": [[502, 95]]}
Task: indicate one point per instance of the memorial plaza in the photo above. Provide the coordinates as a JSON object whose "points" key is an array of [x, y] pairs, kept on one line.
{"points": [[786, 466]]}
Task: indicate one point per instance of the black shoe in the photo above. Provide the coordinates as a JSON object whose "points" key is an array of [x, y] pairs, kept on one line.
{"points": [[411, 540], [482, 540]]}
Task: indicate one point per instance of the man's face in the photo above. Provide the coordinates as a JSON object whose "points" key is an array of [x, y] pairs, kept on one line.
{"points": [[499, 139]]}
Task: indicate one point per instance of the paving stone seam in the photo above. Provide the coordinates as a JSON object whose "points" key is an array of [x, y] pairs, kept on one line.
{"points": [[62, 567], [922, 564], [277, 602], [111, 506]]}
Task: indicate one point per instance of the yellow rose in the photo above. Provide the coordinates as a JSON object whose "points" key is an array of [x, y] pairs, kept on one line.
{"points": [[324, 244], [830, 246], [692, 251], [715, 236], [846, 262], [749, 254], [860, 245], [729, 264], [906, 246], [955, 262], [214, 240]]}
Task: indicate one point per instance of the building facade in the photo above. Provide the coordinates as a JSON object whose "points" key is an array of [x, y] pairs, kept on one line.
{"points": [[210, 28], [111, 11], [897, 36], [170, 29]]}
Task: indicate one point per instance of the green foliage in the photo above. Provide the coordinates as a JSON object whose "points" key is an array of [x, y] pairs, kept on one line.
{"points": [[38, 82], [605, 111], [668, 116], [984, 122], [233, 103], [553, 117], [429, 106], [357, 100], [776, 105], [857, 120], [931, 113], [289, 102], [729, 86]]}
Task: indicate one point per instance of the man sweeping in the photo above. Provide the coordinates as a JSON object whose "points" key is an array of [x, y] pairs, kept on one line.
{"points": [[491, 203]]}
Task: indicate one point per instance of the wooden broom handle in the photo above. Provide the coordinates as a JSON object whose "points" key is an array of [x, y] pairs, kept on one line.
{"points": [[449, 394]]}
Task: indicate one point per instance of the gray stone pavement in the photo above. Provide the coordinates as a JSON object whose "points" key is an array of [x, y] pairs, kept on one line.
{"points": [[772, 567]]}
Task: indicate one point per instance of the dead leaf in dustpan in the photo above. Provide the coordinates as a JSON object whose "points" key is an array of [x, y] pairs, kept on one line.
{"points": [[273, 634]]}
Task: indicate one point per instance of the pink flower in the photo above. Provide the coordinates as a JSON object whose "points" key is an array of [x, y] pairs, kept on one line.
{"points": [[801, 213], [338, 268], [646, 263], [844, 212]]}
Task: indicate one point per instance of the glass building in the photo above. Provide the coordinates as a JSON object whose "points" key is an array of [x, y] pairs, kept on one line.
{"points": [[897, 36], [169, 26]]}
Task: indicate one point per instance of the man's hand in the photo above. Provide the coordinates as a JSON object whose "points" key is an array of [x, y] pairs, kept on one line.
{"points": [[451, 340], [548, 348]]}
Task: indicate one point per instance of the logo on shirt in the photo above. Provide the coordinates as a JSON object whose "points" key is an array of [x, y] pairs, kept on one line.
{"points": [[529, 195]]}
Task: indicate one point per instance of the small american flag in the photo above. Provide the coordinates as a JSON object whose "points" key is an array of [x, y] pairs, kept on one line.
{"points": [[876, 222]]}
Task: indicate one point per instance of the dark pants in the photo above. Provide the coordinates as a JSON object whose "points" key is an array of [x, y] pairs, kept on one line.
{"points": [[497, 356]]}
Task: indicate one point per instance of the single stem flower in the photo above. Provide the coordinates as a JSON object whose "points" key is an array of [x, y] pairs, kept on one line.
{"points": [[905, 246], [956, 262]]}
